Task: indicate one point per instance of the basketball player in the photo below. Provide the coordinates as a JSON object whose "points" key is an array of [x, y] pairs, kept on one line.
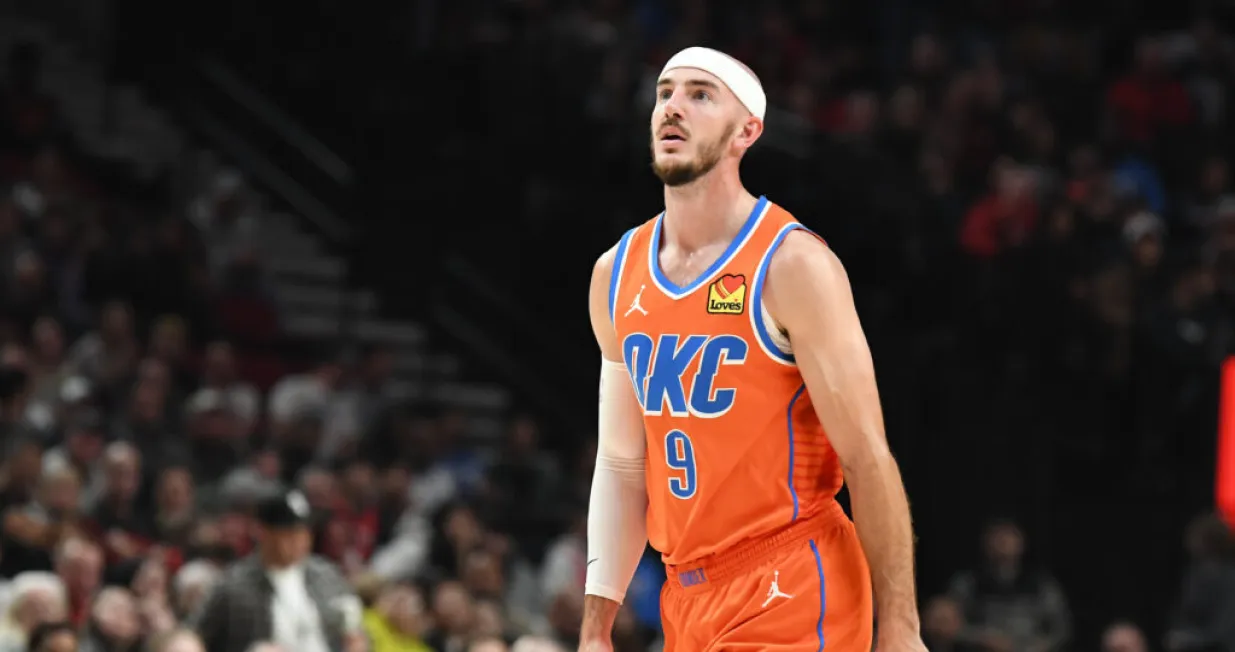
{"points": [[736, 385]]}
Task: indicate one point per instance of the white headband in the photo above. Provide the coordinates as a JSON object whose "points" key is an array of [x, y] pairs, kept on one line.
{"points": [[727, 69]]}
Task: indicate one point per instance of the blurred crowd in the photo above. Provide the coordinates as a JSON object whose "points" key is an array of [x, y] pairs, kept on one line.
{"points": [[1034, 200], [1035, 204], [149, 405]]}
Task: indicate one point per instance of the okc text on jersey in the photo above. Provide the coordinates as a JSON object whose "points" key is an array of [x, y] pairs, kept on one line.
{"points": [[658, 369]]}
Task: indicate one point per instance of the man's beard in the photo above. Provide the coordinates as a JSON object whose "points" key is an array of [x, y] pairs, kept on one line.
{"points": [[680, 174]]}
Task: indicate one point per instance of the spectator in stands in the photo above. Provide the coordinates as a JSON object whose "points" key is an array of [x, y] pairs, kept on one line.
{"points": [[566, 614], [114, 624], [15, 414], [215, 438], [1007, 606], [282, 592], [398, 621], [458, 466], [31, 531], [304, 409], [84, 440], [350, 531], [55, 637], [1006, 217], [225, 218], [19, 471], [175, 510], [220, 375], [28, 296], [1203, 618], [144, 420], [1212, 191], [191, 584], [565, 563], [116, 518], [149, 585], [521, 482], [169, 344], [368, 398], [246, 310], [110, 354], [405, 535], [34, 598], [490, 621], [48, 370], [260, 477], [1124, 637], [79, 563], [180, 640], [942, 623], [1147, 102], [454, 616]]}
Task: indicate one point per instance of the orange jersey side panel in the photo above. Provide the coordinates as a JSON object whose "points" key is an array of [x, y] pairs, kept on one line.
{"points": [[735, 450]]}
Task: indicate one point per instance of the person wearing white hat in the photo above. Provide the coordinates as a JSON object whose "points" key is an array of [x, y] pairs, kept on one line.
{"points": [[737, 395]]}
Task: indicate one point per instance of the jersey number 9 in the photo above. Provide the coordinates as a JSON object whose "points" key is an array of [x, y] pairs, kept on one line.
{"points": [[680, 456]]}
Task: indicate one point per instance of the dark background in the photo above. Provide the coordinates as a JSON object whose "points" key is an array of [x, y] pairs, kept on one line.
{"points": [[1036, 359]]}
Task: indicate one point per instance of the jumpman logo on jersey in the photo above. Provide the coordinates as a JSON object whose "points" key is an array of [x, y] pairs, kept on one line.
{"points": [[774, 590], [635, 305]]}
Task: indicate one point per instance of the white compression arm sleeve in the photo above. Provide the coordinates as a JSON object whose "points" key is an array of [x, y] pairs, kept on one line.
{"points": [[617, 511]]}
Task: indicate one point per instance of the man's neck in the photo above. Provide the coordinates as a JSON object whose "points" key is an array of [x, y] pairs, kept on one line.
{"points": [[708, 210]]}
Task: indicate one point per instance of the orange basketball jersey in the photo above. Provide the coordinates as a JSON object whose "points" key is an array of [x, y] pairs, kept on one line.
{"points": [[734, 450]]}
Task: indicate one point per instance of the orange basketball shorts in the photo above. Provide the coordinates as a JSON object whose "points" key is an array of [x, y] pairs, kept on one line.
{"points": [[805, 588]]}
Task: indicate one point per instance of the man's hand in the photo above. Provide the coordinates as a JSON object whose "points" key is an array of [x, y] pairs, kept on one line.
{"points": [[596, 634]]}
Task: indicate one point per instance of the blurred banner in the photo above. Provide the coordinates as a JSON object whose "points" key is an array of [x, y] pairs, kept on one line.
{"points": [[1225, 484]]}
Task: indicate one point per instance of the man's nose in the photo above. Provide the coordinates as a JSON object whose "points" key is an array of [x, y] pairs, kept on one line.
{"points": [[672, 108]]}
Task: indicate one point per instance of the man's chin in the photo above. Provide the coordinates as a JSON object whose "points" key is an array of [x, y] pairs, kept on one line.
{"points": [[675, 174]]}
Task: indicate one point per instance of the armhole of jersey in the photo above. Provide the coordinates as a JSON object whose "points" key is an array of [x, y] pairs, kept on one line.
{"points": [[767, 333], [615, 277]]}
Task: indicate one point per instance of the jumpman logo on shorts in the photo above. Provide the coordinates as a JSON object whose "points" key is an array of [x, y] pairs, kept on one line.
{"points": [[635, 305], [774, 590]]}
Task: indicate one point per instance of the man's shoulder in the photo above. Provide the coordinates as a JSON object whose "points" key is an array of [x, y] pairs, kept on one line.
{"points": [[242, 571], [323, 569], [319, 563], [620, 248]]}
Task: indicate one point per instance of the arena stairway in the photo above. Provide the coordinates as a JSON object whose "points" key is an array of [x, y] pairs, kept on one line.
{"points": [[310, 283]]}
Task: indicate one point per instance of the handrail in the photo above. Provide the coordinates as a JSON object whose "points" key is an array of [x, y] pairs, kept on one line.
{"points": [[517, 374], [295, 194], [313, 149], [480, 285]]}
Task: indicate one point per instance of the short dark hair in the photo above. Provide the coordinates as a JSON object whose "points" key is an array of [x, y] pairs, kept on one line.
{"points": [[45, 631]]}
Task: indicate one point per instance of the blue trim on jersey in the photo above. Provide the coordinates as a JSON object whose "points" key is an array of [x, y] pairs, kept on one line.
{"points": [[619, 263], [678, 291], [756, 295], [823, 594], [794, 492]]}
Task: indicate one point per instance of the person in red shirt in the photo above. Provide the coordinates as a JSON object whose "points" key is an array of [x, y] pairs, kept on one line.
{"points": [[1146, 100], [1003, 218]]}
